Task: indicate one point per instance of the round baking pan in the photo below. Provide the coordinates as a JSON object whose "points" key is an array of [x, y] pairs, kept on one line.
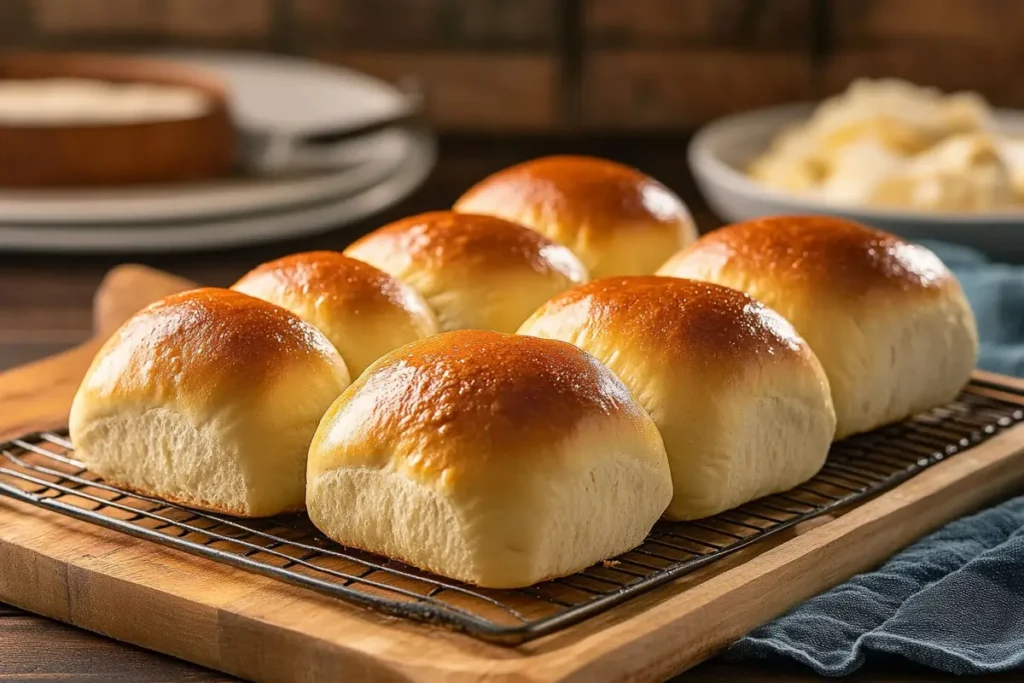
{"points": [[104, 154]]}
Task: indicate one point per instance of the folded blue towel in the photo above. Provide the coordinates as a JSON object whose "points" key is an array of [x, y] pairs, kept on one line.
{"points": [[996, 293], [953, 601]]}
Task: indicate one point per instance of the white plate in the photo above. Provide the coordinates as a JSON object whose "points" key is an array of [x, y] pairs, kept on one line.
{"points": [[283, 95], [234, 231], [171, 203], [723, 148], [315, 96]]}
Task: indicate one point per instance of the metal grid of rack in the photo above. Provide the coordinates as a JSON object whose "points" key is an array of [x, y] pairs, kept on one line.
{"points": [[40, 469]]}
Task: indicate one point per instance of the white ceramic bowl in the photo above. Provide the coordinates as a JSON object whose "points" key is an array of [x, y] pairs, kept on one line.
{"points": [[720, 151]]}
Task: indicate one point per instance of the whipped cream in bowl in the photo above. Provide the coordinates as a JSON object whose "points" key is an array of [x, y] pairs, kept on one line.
{"points": [[890, 143]]}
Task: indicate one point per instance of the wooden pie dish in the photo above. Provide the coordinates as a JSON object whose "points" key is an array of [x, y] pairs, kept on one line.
{"points": [[98, 154]]}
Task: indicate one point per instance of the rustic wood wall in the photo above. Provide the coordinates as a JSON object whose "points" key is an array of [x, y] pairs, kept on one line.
{"points": [[577, 65]]}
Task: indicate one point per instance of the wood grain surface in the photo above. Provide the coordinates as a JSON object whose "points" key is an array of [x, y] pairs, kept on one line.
{"points": [[413, 25], [546, 54], [467, 91], [225, 20], [629, 89], [953, 23], [786, 24]]}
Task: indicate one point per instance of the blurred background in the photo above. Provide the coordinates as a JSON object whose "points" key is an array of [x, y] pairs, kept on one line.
{"points": [[507, 80], [586, 67]]}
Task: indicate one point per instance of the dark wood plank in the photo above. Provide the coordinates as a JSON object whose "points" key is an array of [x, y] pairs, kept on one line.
{"points": [[979, 22], [728, 23], [16, 28], [223, 19], [681, 89], [468, 91], [426, 24], [41, 649], [949, 44]]}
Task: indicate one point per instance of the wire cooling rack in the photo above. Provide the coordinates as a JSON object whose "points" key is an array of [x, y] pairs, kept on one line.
{"points": [[41, 469]]}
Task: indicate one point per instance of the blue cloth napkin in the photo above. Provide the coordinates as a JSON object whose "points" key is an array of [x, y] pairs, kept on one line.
{"points": [[953, 601], [996, 293]]}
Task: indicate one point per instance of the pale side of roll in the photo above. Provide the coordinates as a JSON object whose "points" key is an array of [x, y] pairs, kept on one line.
{"points": [[742, 403], [476, 272], [887, 319], [618, 220], [494, 459], [362, 310], [208, 398]]}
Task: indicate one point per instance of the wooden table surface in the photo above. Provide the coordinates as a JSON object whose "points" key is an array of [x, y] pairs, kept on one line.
{"points": [[46, 307]]}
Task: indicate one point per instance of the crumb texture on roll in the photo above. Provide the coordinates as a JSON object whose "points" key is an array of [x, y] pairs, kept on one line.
{"points": [[362, 310], [495, 459], [742, 403], [208, 398], [476, 272], [618, 220], [888, 321]]}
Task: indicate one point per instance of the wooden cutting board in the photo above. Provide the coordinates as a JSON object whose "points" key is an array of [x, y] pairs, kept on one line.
{"points": [[258, 628]]}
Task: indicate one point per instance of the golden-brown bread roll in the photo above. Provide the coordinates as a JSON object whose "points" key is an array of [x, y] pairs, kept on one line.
{"points": [[618, 220], [495, 459], [208, 398], [476, 272], [741, 401], [362, 310], [888, 321]]}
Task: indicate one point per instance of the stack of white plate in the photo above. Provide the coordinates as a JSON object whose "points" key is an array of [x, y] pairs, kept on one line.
{"points": [[276, 96]]}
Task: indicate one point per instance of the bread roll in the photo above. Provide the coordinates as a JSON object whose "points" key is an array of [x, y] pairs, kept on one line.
{"points": [[494, 459], [888, 321], [616, 219], [208, 398], [363, 311], [476, 272], [741, 401]]}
